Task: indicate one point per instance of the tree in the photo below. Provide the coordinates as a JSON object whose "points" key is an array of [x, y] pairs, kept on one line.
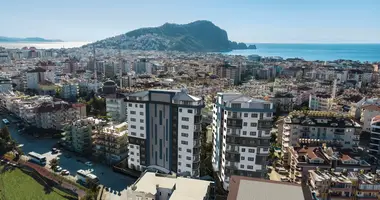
{"points": [[273, 138], [54, 163], [5, 134]]}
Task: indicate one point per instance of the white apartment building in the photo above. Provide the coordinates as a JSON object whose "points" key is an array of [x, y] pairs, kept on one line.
{"points": [[78, 136], [152, 186], [165, 130], [374, 146], [320, 101], [241, 132], [318, 128], [367, 114], [34, 77], [112, 143], [116, 107]]}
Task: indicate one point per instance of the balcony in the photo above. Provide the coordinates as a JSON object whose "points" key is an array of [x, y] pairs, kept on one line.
{"points": [[375, 136], [196, 159], [196, 143], [197, 128]]}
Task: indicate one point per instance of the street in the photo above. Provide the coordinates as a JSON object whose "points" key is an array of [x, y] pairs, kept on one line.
{"points": [[108, 178]]}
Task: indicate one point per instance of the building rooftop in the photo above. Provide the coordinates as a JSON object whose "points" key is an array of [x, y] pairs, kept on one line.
{"points": [[182, 188], [321, 119], [243, 188]]}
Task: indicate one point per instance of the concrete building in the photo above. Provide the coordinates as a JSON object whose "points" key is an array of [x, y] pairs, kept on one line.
{"points": [[35, 77], [165, 130], [351, 185], [151, 186], [374, 146], [317, 128], [5, 85], [109, 87], [78, 136], [320, 101], [142, 66], [243, 188], [228, 71], [111, 143], [69, 92], [116, 107], [241, 132], [367, 114]]}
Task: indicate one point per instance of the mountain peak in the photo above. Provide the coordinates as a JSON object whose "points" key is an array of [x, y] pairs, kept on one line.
{"points": [[197, 36]]}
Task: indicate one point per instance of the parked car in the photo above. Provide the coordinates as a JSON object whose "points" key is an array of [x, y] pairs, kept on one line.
{"points": [[65, 172], [58, 169], [88, 163]]}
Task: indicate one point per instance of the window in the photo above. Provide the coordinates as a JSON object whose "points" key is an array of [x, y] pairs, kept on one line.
{"points": [[142, 135], [244, 132], [180, 110], [132, 159], [186, 119], [245, 114], [241, 166], [129, 105], [189, 110], [133, 127], [141, 128], [266, 106], [131, 146], [249, 167], [133, 112], [184, 134], [179, 156], [133, 119], [141, 106], [179, 163], [188, 150], [245, 124], [242, 149], [269, 114], [142, 113], [188, 165], [251, 158], [254, 115], [235, 105], [253, 124], [184, 142], [133, 133], [185, 127], [265, 149], [242, 158], [136, 105], [141, 121], [132, 153], [252, 133], [251, 150], [179, 149]]}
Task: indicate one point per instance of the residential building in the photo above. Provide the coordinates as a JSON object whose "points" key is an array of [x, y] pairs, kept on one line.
{"points": [[320, 101], [165, 130], [241, 132], [78, 135], [303, 159], [242, 188], [34, 77], [368, 113], [374, 146], [111, 143], [69, 91], [109, 87], [153, 186], [329, 185], [142, 66], [5, 85], [230, 72], [116, 107]]}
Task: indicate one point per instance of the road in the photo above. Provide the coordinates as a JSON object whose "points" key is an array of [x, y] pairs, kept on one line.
{"points": [[108, 178]]}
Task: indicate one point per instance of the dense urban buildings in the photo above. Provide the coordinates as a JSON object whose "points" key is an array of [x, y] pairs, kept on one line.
{"points": [[241, 132]]}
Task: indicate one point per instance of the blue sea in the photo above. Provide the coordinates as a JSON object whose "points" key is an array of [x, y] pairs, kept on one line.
{"points": [[325, 52]]}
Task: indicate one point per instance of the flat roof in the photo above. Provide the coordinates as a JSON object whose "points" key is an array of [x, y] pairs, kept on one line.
{"points": [[243, 188]]}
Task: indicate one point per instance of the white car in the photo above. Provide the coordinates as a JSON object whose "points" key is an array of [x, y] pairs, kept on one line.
{"points": [[88, 164], [58, 169], [65, 172]]}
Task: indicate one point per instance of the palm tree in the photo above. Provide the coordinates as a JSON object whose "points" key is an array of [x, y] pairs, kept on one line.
{"points": [[54, 163]]}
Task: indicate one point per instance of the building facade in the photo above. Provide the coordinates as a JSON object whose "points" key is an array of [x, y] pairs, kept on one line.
{"points": [[241, 132], [165, 130], [374, 146]]}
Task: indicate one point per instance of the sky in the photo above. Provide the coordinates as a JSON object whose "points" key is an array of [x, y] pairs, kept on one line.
{"points": [[252, 21]]}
